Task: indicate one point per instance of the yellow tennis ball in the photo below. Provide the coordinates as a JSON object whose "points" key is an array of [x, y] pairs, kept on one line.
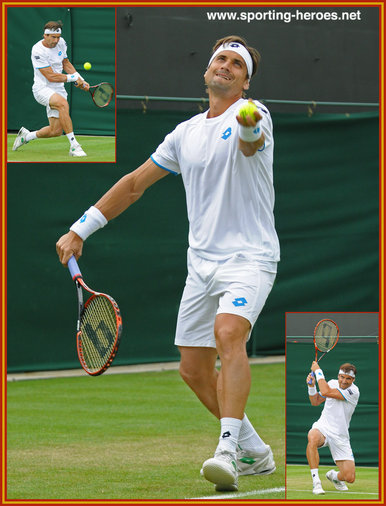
{"points": [[87, 65], [247, 110]]}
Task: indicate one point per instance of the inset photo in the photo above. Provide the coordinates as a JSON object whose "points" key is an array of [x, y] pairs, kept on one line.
{"points": [[332, 405], [61, 84]]}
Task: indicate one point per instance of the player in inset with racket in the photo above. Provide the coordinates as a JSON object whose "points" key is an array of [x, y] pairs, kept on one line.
{"points": [[332, 429], [49, 59], [226, 163]]}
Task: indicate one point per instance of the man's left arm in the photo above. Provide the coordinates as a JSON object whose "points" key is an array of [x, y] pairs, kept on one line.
{"points": [[69, 68], [246, 146]]}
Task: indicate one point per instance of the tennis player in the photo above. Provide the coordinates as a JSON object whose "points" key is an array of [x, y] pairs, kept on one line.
{"points": [[49, 59], [226, 167], [332, 429]]}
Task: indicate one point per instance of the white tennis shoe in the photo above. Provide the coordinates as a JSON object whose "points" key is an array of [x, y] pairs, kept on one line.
{"points": [[255, 463], [20, 138], [339, 485], [222, 471], [77, 151], [318, 489]]}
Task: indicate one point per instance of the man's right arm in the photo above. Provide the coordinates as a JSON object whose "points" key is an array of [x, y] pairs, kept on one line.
{"points": [[122, 195]]}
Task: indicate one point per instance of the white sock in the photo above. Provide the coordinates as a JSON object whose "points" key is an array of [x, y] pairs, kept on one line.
{"points": [[31, 136], [315, 476], [230, 428], [71, 138], [249, 439]]}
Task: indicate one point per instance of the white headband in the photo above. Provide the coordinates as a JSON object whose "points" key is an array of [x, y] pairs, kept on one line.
{"points": [[239, 49], [52, 30], [350, 373]]}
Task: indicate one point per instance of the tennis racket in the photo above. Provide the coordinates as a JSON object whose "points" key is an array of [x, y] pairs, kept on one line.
{"points": [[101, 94], [99, 326], [326, 336]]}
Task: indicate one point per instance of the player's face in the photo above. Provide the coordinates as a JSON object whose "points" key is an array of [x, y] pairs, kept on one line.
{"points": [[345, 381], [227, 72], [51, 39]]}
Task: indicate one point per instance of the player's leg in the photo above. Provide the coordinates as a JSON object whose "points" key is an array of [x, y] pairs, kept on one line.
{"points": [[234, 382], [346, 470], [197, 369], [53, 129], [315, 441], [343, 456], [59, 103]]}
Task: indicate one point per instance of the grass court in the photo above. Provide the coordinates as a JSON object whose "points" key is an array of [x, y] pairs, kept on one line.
{"points": [[130, 436], [299, 484], [56, 149]]}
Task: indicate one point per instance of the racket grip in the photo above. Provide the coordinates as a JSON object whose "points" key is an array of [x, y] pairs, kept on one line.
{"points": [[310, 382], [73, 267]]}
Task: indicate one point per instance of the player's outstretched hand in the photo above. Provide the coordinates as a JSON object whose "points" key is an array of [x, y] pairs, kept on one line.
{"points": [[69, 244], [250, 119]]}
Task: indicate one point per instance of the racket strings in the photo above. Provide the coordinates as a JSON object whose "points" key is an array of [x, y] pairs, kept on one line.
{"points": [[98, 332], [103, 94], [326, 336]]}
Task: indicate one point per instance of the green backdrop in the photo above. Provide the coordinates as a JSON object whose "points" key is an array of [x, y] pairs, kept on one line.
{"points": [[90, 36], [326, 180], [301, 415]]}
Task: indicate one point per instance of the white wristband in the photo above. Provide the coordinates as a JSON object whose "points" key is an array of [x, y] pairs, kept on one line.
{"points": [[90, 222], [71, 78], [312, 390], [319, 374], [250, 134]]}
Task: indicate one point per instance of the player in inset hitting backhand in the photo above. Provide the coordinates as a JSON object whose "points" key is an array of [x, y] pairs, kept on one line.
{"points": [[49, 59], [332, 429], [226, 166]]}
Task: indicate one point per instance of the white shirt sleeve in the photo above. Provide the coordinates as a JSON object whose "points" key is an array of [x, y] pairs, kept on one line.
{"points": [[39, 59], [351, 394], [165, 155]]}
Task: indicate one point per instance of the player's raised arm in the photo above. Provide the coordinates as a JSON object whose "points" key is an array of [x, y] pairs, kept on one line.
{"points": [[122, 195], [324, 388]]}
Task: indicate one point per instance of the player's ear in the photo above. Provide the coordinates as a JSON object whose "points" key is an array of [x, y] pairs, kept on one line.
{"points": [[246, 85]]}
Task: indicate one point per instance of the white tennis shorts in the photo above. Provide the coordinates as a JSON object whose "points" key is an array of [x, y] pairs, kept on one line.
{"points": [[239, 285], [43, 95], [340, 448]]}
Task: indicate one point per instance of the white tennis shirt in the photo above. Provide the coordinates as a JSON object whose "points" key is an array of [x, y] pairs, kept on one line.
{"points": [[230, 197], [43, 57], [336, 414]]}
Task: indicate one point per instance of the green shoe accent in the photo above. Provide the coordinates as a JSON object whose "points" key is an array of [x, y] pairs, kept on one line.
{"points": [[247, 460]]}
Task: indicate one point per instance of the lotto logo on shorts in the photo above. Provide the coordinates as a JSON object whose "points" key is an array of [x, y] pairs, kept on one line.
{"points": [[240, 301]]}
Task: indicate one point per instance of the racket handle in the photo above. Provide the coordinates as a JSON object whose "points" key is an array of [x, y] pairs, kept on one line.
{"points": [[73, 267], [310, 382]]}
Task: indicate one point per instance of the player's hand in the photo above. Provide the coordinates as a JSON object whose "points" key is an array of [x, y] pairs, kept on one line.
{"points": [[314, 366], [310, 380], [83, 85], [250, 121], [69, 244]]}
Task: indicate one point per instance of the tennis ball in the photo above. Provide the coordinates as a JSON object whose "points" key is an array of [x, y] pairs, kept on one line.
{"points": [[87, 65], [247, 110]]}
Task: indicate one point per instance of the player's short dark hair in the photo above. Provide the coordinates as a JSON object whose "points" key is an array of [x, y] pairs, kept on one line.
{"points": [[348, 367], [255, 55], [53, 25]]}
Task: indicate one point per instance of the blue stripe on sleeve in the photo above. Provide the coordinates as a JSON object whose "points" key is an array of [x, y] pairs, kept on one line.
{"points": [[162, 167]]}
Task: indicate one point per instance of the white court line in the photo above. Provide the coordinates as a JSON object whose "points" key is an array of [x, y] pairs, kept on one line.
{"points": [[347, 492], [241, 494]]}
